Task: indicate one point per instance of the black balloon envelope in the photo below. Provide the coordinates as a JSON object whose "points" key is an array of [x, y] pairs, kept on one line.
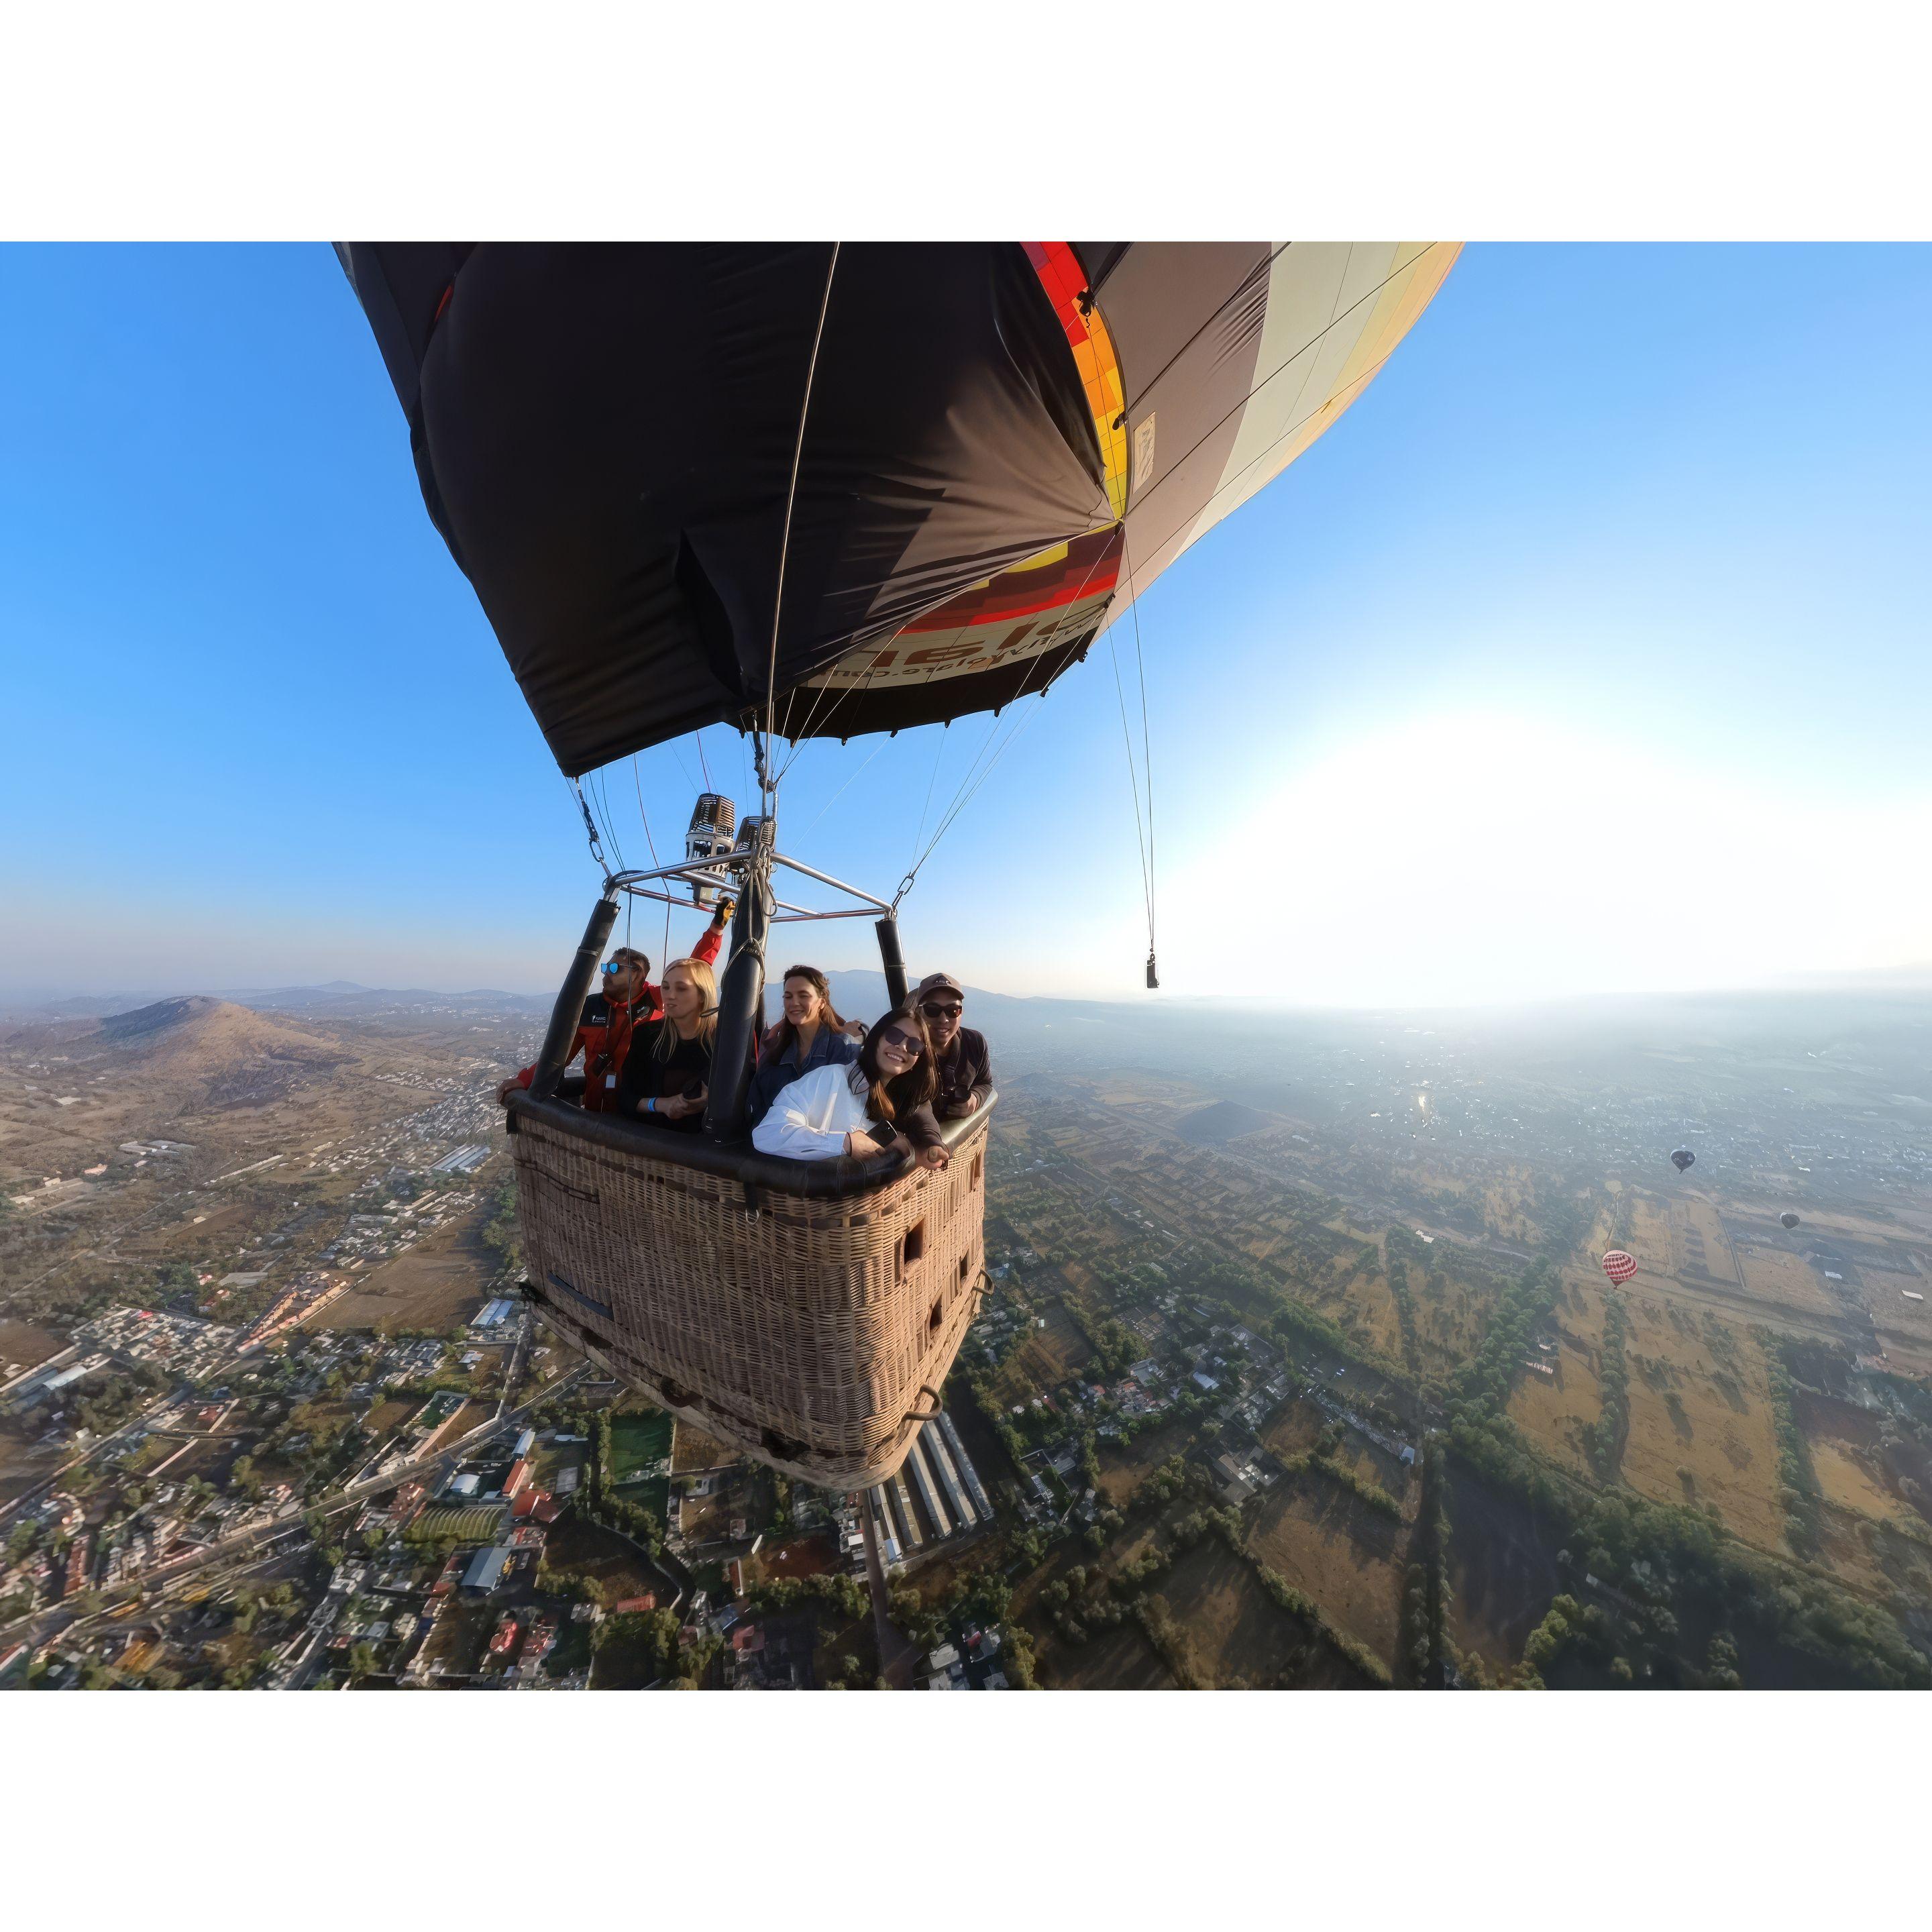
{"points": [[1682, 1158], [1789, 1220]]}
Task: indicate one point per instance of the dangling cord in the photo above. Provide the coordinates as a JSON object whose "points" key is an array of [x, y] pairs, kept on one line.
{"points": [[1133, 779], [637, 784], [767, 781], [1147, 758]]}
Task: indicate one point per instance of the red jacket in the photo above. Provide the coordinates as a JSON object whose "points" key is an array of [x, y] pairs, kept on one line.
{"points": [[604, 1033]]}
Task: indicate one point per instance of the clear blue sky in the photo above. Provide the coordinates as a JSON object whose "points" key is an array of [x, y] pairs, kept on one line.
{"points": [[1588, 651]]}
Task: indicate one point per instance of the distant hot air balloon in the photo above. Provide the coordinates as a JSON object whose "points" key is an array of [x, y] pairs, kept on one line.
{"points": [[1619, 1266], [1682, 1158], [1790, 1219]]}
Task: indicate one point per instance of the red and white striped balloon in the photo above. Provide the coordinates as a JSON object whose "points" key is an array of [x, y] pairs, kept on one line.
{"points": [[1619, 1266]]}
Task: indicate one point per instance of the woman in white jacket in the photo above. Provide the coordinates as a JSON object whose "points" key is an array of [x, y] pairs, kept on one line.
{"points": [[861, 1109]]}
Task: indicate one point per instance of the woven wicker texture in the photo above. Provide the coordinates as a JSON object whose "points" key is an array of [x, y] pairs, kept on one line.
{"points": [[801, 1332]]}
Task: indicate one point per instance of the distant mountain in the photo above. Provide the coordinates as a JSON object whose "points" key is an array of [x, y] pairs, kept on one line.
{"points": [[861, 994], [208, 1051], [346, 998], [30, 1009], [1225, 1120]]}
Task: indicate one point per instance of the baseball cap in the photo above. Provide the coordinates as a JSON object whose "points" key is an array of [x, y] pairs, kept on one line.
{"points": [[939, 982]]}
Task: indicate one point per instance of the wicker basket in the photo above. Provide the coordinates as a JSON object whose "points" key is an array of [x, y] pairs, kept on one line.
{"points": [[811, 1331]]}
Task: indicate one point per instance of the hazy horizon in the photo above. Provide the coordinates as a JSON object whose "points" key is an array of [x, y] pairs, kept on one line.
{"points": [[1581, 657], [1878, 984]]}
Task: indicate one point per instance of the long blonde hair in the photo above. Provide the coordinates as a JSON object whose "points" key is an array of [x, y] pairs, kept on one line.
{"points": [[706, 1030]]}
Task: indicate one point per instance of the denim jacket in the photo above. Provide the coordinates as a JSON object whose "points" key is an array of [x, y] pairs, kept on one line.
{"points": [[772, 1076]]}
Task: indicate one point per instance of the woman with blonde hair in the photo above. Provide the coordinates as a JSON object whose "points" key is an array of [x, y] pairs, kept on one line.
{"points": [[667, 1076]]}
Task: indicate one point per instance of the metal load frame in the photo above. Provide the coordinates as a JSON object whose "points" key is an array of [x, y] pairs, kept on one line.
{"points": [[746, 874]]}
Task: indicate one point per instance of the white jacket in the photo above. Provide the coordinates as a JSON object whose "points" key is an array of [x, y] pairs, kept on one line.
{"points": [[810, 1119]]}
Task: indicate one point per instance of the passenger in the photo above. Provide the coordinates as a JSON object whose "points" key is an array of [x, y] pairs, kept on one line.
{"points": [[812, 1035], [862, 1109], [705, 950], [626, 998], [667, 1076], [963, 1066]]}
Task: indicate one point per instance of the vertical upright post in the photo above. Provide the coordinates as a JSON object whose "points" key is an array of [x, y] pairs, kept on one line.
{"points": [[892, 960], [741, 994], [566, 1014]]}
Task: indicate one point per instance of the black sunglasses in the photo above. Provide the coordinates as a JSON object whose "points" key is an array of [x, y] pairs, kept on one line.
{"points": [[942, 1013], [906, 1042]]}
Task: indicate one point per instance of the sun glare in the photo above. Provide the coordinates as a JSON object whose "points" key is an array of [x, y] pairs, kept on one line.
{"points": [[1479, 857]]}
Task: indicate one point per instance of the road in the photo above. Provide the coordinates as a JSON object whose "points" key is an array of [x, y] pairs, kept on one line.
{"points": [[28, 1498], [52, 1621]]}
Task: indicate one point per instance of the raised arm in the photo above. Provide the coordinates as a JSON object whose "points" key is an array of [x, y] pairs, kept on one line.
{"points": [[713, 936]]}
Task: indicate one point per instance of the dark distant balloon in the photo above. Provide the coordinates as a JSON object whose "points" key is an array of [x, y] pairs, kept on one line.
{"points": [[1790, 1220], [1682, 1158]]}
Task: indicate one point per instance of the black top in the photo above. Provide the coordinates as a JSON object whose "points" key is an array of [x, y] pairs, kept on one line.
{"points": [[645, 1076], [920, 1127], [965, 1068]]}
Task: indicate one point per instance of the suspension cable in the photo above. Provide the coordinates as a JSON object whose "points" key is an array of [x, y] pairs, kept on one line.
{"points": [[965, 797], [925, 811], [767, 779], [638, 783], [840, 792], [970, 785]]}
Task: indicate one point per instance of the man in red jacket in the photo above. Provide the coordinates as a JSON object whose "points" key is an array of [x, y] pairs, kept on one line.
{"points": [[603, 1032]]}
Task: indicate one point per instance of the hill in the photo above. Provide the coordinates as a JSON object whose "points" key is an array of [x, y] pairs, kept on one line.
{"points": [[205, 1051], [1225, 1120]]}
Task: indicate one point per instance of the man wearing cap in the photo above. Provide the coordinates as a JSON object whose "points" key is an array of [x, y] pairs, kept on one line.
{"points": [[965, 1067]]}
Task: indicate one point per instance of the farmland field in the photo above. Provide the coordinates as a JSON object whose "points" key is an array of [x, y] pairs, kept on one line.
{"points": [[616, 1567], [1346, 1556], [1115, 1659], [1554, 1410], [1701, 1426], [1234, 1636], [436, 1286]]}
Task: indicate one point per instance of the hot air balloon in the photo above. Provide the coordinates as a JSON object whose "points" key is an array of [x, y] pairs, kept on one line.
{"points": [[821, 490], [1788, 1220], [1619, 1266], [1682, 1158]]}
